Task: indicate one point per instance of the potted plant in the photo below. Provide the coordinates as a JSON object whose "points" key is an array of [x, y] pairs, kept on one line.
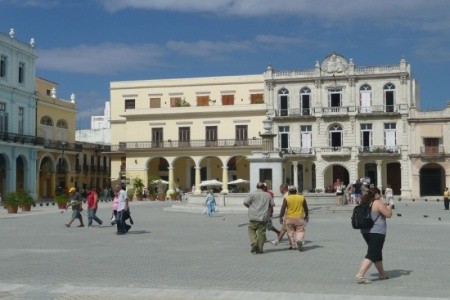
{"points": [[25, 200], [61, 200], [11, 202], [152, 196], [173, 196], [130, 194], [138, 185]]}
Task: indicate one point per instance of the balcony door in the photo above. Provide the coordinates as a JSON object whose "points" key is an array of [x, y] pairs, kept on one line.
{"points": [[390, 140], [306, 139], [283, 137], [184, 136], [283, 102], [305, 99], [211, 136], [157, 137], [365, 94], [241, 135]]}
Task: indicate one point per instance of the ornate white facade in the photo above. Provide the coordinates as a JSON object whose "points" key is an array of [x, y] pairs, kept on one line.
{"points": [[342, 121]]}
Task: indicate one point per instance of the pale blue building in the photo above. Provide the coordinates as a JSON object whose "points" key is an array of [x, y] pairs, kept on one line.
{"points": [[18, 143]]}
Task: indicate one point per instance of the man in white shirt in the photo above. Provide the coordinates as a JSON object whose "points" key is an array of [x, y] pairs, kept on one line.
{"points": [[122, 207]]}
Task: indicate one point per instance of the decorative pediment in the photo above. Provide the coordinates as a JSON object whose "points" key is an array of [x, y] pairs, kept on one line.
{"points": [[334, 63]]}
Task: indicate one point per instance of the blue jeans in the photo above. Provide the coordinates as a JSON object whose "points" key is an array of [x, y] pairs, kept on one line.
{"points": [[122, 227], [211, 207], [92, 216]]}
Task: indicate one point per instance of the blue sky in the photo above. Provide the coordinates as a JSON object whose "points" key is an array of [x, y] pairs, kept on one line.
{"points": [[83, 45]]}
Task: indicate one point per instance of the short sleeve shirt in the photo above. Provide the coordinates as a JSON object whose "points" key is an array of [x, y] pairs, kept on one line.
{"points": [[258, 205]]}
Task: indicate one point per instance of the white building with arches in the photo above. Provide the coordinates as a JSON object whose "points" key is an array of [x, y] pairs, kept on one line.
{"points": [[335, 120], [341, 121]]}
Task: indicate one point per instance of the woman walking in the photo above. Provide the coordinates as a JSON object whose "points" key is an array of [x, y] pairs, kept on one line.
{"points": [[374, 236]]}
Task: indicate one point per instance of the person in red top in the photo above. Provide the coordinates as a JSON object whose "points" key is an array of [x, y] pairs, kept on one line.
{"points": [[92, 202]]}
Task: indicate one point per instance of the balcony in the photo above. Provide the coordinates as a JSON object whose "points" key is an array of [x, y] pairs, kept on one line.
{"points": [[336, 151], [337, 111], [380, 110], [60, 145], [432, 151], [192, 144], [378, 150], [294, 113], [20, 138], [297, 151]]}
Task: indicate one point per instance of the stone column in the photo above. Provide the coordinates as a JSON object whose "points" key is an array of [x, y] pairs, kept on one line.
{"points": [[224, 180], [295, 175], [379, 183], [197, 181], [171, 179]]}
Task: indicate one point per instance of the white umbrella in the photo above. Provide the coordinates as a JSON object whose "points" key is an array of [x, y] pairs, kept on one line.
{"points": [[238, 181], [212, 182], [158, 181]]}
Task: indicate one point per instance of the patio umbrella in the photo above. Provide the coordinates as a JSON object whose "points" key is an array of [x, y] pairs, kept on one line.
{"points": [[158, 181], [212, 182], [238, 181]]}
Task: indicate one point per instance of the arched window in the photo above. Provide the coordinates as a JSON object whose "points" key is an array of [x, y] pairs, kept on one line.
{"points": [[335, 136], [305, 101], [283, 102], [62, 124], [389, 97], [47, 121], [365, 99]]}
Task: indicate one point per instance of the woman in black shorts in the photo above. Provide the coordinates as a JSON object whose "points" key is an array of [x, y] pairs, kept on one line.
{"points": [[374, 236]]}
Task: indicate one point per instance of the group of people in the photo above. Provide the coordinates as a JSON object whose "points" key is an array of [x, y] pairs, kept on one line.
{"points": [[120, 212], [294, 215], [352, 193]]}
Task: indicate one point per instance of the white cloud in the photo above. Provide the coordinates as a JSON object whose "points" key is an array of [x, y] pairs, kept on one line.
{"points": [[428, 15], [208, 49], [99, 59]]}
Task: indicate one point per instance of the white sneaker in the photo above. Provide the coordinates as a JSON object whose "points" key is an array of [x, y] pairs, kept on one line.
{"points": [[275, 242]]}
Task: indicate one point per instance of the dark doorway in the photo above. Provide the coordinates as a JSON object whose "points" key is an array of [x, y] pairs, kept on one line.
{"points": [[394, 178], [341, 173], [432, 178]]}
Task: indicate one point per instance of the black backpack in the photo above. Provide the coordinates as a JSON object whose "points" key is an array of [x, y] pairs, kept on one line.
{"points": [[361, 218]]}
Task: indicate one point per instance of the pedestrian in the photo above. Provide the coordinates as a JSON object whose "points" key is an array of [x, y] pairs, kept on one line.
{"points": [[210, 203], [269, 224], [114, 208], [122, 207], [284, 192], [339, 189], [76, 204], [389, 195], [375, 236], [258, 204], [297, 214], [357, 191], [446, 198], [92, 203]]}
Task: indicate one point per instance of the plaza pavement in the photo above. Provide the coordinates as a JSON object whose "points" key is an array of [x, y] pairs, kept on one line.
{"points": [[174, 254]]}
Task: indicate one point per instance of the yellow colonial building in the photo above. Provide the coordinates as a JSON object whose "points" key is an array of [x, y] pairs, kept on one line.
{"points": [[186, 130], [64, 162]]}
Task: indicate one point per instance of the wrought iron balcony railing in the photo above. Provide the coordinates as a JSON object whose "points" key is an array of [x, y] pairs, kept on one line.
{"points": [[432, 151], [297, 150], [294, 112], [60, 145], [379, 150], [255, 142], [336, 151], [20, 138]]}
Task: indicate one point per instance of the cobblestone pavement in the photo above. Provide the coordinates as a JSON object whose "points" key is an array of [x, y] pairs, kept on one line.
{"points": [[181, 255]]}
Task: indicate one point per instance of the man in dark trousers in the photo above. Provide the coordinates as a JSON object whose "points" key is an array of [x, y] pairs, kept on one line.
{"points": [[259, 203]]}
